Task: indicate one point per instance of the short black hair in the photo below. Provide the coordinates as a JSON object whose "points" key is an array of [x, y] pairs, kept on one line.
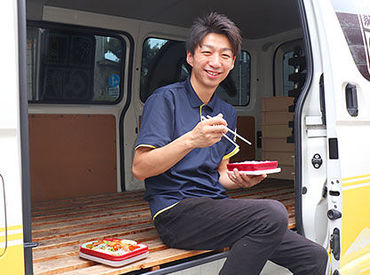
{"points": [[214, 23]]}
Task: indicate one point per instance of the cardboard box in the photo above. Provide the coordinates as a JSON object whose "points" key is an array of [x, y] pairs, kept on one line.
{"points": [[283, 158], [277, 145], [276, 118], [277, 103], [276, 131]]}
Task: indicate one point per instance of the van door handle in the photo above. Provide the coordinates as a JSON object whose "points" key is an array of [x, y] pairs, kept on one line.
{"points": [[351, 99]]}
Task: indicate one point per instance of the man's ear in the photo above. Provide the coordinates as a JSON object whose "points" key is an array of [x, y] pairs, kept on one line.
{"points": [[189, 58], [232, 66]]}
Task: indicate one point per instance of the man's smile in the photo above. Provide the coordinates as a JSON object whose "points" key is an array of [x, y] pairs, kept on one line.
{"points": [[213, 73]]}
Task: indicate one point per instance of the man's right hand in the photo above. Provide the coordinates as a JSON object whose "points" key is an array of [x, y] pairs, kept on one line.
{"points": [[208, 131]]}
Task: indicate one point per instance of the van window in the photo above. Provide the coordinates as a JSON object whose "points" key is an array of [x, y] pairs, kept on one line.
{"points": [[354, 18], [67, 66], [164, 62], [289, 69]]}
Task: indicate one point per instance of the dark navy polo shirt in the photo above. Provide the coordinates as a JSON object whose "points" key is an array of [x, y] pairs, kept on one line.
{"points": [[169, 113]]}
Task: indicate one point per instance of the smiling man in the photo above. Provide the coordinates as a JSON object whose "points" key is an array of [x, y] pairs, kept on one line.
{"points": [[183, 160], [211, 62]]}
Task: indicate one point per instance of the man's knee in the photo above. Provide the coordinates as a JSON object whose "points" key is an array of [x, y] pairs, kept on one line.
{"points": [[273, 220], [277, 215], [319, 257]]}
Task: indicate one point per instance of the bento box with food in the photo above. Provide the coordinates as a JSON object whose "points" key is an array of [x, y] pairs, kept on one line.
{"points": [[114, 251], [254, 167]]}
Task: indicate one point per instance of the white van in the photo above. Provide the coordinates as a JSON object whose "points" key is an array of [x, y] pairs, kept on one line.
{"points": [[75, 78]]}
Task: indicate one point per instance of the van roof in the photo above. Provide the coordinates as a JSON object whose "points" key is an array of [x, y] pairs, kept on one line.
{"points": [[256, 19]]}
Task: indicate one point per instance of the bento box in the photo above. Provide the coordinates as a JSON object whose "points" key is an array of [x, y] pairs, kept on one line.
{"points": [[254, 167], [114, 251]]}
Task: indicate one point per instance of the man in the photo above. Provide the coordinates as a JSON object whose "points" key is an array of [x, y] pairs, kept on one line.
{"points": [[183, 160]]}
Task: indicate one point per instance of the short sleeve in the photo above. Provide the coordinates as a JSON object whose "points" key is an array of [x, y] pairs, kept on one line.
{"points": [[157, 122], [231, 149]]}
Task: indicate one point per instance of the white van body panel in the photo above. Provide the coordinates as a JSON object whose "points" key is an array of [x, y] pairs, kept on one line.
{"points": [[11, 228]]}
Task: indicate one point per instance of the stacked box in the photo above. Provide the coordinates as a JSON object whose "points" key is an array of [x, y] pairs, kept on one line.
{"points": [[275, 130]]}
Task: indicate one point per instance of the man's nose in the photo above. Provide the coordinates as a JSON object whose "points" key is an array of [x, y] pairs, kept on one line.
{"points": [[215, 60]]}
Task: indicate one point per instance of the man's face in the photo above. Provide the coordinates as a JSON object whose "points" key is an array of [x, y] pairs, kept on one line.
{"points": [[212, 61]]}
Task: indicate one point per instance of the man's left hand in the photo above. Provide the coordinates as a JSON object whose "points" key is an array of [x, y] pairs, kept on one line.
{"points": [[245, 181]]}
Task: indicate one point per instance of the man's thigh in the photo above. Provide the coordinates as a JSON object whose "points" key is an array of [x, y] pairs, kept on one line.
{"points": [[205, 223]]}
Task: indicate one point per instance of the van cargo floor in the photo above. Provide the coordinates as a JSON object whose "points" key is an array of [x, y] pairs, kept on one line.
{"points": [[60, 226]]}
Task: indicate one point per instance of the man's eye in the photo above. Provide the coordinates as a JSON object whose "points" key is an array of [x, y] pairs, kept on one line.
{"points": [[206, 52], [226, 56]]}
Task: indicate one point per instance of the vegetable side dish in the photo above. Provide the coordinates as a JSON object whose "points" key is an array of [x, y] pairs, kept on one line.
{"points": [[116, 247]]}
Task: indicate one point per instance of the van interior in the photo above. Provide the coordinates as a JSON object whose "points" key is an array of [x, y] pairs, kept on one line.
{"points": [[91, 65]]}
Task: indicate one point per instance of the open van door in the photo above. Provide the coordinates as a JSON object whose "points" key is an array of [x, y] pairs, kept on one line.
{"points": [[11, 224], [341, 56]]}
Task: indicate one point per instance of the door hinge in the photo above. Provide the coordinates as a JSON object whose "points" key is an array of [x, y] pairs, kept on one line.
{"points": [[335, 243], [31, 245]]}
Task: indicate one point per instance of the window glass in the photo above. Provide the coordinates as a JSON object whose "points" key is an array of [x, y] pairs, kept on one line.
{"points": [[164, 62], [354, 18], [287, 70], [294, 71], [67, 66]]}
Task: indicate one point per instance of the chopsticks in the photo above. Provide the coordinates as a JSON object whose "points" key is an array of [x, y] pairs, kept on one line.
{"points": [[235, 133]]}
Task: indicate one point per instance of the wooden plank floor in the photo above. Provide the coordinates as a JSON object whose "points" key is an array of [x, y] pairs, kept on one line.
{"points": [[61, 226]]}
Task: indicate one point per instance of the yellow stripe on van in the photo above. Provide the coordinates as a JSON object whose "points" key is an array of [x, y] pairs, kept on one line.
{"points": [[356, 177], [14, 227], [355, 182], [12, 237]]}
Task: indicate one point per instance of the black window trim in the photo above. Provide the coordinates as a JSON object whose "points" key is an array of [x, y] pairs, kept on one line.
{"points": [[250, 78], [90, 30], [141, 96], [274, 59]]}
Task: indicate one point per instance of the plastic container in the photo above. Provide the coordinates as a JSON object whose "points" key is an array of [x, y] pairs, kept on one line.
{"points": [[254, 167], [133, 252]]}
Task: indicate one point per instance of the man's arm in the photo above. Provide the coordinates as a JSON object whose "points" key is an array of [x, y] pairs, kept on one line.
{"points": [[150, 162], [236, 179]]}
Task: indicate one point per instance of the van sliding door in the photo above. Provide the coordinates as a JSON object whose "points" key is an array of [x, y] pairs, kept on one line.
{"points": [[344, 44], [11, 224]]}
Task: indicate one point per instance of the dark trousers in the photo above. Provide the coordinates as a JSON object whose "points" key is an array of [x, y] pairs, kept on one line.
{"points": [[256, 231]]}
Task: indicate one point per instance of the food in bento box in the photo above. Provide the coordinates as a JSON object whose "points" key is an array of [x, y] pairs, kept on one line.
{"points": [[254, 167], [115, 247], [113, 251]]}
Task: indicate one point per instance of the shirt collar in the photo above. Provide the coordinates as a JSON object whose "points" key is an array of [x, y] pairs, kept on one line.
{"points": [[194, 99]]}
